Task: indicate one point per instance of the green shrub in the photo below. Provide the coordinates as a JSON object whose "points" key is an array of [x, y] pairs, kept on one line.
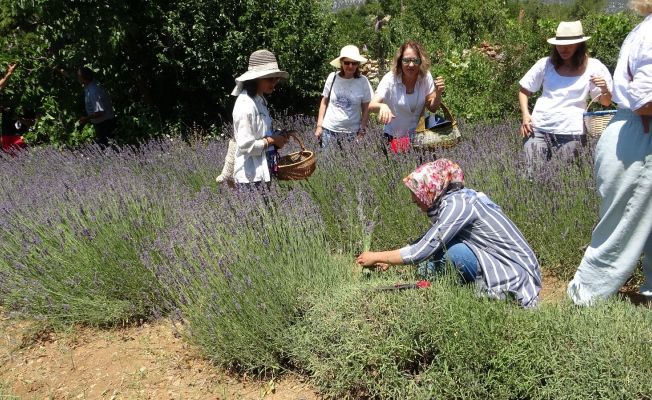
{"points": [[443, 342]]}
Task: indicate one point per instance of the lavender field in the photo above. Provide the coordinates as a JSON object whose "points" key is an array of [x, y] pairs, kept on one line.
{"points": [[267, 284]]}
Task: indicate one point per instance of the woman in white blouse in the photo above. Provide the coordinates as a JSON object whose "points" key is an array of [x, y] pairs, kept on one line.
{"points": [[568, 76], [403, 93], [256, 143], [623, 170], [344, 107]]}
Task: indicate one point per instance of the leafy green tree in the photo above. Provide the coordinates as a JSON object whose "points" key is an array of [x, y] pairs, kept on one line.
{"points": [[164, 62]]}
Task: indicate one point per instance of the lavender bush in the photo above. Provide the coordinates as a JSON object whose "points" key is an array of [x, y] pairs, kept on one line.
{"points": [[107, 236], [240, 267]]}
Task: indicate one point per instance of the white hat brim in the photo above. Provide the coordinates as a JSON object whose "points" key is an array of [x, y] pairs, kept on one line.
{"points": [[336, 62], [562, 42], [249, 75]]}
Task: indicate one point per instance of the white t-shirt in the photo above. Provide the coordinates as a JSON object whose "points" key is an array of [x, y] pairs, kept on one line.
{"points": [[633, 92], [562, 103], [392, 91], [344, 112]]}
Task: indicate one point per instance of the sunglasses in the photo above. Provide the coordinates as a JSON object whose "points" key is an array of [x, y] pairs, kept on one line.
{"points": [[415, 60], [351, 63], [272, 79]]}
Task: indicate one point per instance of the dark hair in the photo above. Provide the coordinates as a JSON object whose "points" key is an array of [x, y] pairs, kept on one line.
{"points": [[576, 61], [421, 53], [86, 73], [356, 74], [251, 87]]}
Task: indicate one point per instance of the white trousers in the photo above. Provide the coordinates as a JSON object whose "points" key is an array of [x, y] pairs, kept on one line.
{"points": [[623, 168]]}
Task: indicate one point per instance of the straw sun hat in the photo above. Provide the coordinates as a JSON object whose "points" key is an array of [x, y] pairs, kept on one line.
{"points": [[569, 33], [262, 64], [351, 52]]}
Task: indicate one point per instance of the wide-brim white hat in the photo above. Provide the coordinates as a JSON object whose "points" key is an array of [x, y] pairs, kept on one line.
{"points": [[569, 33], [351, 52], [262, 64]]}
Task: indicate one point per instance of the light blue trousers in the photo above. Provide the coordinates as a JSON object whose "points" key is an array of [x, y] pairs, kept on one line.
{"points": [[623, 168]]}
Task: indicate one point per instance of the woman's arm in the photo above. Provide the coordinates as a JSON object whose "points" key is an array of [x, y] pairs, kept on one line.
{"points": [[376, 105], [371, 258], [455, 215], [320, 117], [605, 94], [526, 118], [10, 70], [365, 119], [646, 113], [433, 100]]}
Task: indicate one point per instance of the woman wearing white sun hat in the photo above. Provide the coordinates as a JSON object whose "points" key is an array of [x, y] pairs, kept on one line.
{"points": [[344, 108], [623, 171], [568, 76], [255, 141]]}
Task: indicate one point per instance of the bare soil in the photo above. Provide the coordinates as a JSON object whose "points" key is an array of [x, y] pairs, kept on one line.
{"points": [[144, 362]]}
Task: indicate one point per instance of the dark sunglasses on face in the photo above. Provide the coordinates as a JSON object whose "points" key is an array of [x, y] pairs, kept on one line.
{"points": [[356, 63], [407, 61]]}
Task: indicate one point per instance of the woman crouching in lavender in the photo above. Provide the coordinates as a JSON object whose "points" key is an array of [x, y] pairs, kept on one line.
{"points": [[469, 231]]}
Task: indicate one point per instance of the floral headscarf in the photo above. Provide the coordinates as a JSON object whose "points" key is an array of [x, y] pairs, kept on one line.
{"points": [[430, 180]]}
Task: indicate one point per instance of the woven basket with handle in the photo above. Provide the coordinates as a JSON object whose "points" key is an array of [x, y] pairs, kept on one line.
{"points": [[297, 165], [596, 121], [444, 137]]}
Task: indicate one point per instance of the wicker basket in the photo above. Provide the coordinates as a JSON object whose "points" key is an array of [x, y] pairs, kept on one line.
{"points": [[444, 137], [596, 121], [297, 165]]}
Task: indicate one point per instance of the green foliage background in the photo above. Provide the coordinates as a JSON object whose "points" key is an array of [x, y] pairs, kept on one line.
{"points": [[165, 63], [171, 64]]}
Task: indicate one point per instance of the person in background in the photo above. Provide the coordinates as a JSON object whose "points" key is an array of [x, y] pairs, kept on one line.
{"points": [[344, 108], [469, 231], [623, 172], [256, 142], [568, 76], [99, 109], [403, 93]]}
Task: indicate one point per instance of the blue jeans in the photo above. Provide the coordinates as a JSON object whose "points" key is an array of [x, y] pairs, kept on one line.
{"points": [[329, 137], [459, 255]]}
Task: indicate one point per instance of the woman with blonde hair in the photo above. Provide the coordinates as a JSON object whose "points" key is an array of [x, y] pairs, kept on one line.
{"points": [[623, 170], [403, 93], [344, 108]]}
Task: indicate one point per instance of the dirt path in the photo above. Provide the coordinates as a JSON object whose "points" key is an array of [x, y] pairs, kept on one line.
{"points": [[146, 362]]}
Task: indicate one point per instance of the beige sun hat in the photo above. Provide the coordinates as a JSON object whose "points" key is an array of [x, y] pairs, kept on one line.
{"points": [[349, 51], [262, 64], [569, 33]]}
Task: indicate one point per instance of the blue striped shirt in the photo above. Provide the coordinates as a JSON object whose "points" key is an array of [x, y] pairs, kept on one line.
{"points": [[507, 263]]}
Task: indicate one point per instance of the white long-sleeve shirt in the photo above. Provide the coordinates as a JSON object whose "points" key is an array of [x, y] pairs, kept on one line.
{"points": [[634, 91], [251, 123]]}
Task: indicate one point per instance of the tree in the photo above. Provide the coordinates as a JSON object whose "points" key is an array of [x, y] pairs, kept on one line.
{"points": [[164, 62]]}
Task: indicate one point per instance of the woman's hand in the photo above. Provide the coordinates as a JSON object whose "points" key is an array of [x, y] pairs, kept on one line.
{"points": [[526, 125], [440, 85], [367, 259], [318, 131], [600, 83], [277, 140], [385, 115]]}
